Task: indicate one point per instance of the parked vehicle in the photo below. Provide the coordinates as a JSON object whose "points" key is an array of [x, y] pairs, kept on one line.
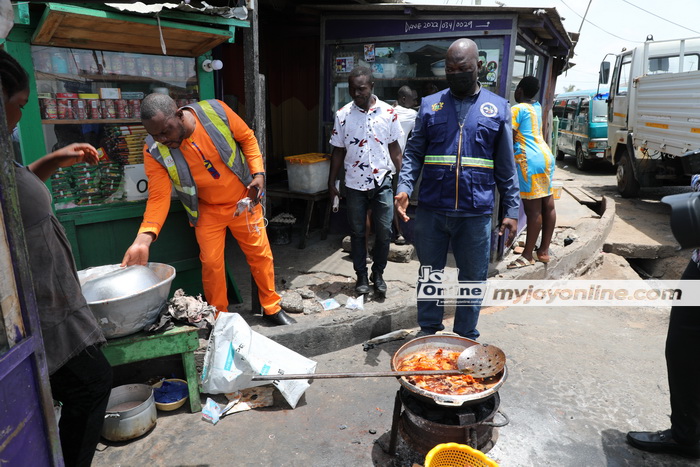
{"points": [[583, 126], [653, 114]]}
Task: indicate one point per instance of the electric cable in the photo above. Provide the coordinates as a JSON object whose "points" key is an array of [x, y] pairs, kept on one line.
{"points": [[596, 26], [660, 17]]}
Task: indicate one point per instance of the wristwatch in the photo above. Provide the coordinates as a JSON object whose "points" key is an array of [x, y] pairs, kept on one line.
{"points": [[259, 173]]}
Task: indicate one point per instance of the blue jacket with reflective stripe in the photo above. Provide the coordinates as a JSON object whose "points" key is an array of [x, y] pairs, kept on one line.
{"points": [[470, 186]]}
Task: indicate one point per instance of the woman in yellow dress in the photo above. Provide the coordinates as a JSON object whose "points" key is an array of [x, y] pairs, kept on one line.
{"points": [[535, 171]]}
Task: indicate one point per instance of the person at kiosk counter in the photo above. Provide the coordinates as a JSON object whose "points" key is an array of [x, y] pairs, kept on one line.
{"points": [[79, 374], [208, 153]]}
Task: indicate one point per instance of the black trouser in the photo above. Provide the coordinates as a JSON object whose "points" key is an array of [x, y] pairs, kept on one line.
{"points": [[683, 364], [82, 385]]}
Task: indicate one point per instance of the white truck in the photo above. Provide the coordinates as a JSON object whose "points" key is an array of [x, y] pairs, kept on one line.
{"points": [[654, 114]]}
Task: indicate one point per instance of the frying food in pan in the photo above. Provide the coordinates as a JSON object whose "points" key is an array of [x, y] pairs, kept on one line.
{"points": [[440, 359]]}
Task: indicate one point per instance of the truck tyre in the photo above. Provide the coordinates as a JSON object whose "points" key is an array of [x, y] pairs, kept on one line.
{"points": [[560, 155], [581, 162], [627, 185]]}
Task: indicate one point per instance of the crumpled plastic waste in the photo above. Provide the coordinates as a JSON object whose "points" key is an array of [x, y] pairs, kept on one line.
{"points": [[211, 412], [247, 399], [184, 309], [238, 401], [330, 304], [355, 303]]}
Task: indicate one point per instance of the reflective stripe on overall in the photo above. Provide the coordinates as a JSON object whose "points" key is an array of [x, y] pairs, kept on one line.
{"points": [[214, 120], [458, 168]]}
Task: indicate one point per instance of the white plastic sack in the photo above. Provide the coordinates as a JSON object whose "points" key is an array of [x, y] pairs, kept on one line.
{"points": [[235, 353], [7, 18]]}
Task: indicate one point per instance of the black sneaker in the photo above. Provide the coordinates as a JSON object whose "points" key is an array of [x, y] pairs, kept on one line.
{"points": [[423, 333], [379, 284], [362, 284]]}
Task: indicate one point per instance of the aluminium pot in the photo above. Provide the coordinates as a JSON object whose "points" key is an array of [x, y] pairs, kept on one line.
{"points": [[450, 343], [124, 300], [131, 412]]}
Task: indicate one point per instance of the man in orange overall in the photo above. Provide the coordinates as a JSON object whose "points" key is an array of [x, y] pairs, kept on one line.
{"points": [[207, 153]]}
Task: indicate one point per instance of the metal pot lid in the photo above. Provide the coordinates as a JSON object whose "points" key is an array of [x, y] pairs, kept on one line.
{"points": [[451, 343]]}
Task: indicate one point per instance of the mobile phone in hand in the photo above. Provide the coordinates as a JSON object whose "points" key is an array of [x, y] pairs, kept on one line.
{"points": [[253, 194]]}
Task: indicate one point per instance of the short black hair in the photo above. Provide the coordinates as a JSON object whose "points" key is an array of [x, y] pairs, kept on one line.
{"points": [[14, 78], [530, 86], [361, 71], [157, 102], [405, 91]]}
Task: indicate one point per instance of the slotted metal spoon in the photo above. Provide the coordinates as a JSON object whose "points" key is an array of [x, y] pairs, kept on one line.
{"points": [[480, 361]]}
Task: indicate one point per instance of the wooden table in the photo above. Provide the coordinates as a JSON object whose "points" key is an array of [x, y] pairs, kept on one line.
{"points": [[282, 191], [181, 340]]}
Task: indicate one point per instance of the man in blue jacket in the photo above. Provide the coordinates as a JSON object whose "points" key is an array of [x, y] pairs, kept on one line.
{"points": [[463, 144]]}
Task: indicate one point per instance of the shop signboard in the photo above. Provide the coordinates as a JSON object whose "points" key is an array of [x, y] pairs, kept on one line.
{"points": [[339, 29]]}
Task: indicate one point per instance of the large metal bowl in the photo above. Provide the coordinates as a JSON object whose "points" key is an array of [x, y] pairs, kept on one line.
{"points": [[451, 343], [136, 299]]}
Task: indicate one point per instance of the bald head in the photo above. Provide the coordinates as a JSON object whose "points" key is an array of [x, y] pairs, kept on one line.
{"points": [[462, 67], [462, 49]]}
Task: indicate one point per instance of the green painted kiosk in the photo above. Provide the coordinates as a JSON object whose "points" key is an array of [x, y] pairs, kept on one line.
{"points": [[89, 69]]}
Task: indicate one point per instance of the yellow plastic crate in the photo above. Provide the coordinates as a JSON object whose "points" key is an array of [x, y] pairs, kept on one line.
{"points": [[457, 455]]}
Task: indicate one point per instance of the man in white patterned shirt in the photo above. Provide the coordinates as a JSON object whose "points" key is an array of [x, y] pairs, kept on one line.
{"points": [[365, 141]]}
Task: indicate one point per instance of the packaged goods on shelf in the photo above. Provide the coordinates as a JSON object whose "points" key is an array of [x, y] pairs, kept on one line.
{"points": [[64, 109], [130, 65], [80, 109], [62, 185], [125, 143], [110, 93], [108, 108], [84, 184], [111, 174], [48, 107], [133, 95]]}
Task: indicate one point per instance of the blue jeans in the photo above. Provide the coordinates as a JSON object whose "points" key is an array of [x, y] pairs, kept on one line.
{"points": [[470, 238], [381, 201]]}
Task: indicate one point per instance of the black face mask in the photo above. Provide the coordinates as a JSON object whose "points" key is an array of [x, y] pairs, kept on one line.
{"points": [[461, 83]]}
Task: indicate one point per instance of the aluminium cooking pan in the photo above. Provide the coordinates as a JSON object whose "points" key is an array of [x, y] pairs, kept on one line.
{"points": [[451, 343]]}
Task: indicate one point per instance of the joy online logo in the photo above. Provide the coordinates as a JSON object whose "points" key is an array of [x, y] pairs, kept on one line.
{"points": [[446, 288]]}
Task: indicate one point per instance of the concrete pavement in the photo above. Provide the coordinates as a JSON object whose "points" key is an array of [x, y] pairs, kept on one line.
{"points": [[579, 377], [326, 270]]}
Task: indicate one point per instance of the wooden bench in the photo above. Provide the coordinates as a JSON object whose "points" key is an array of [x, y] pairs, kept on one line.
{"points": [[181, 340]]}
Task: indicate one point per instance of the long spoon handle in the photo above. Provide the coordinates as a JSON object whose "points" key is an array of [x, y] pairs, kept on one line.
{"points": [[395, 374]]}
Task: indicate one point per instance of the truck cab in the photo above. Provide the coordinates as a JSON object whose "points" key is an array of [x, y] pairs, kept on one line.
{"points": [[583, 126], [653, 117]]}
